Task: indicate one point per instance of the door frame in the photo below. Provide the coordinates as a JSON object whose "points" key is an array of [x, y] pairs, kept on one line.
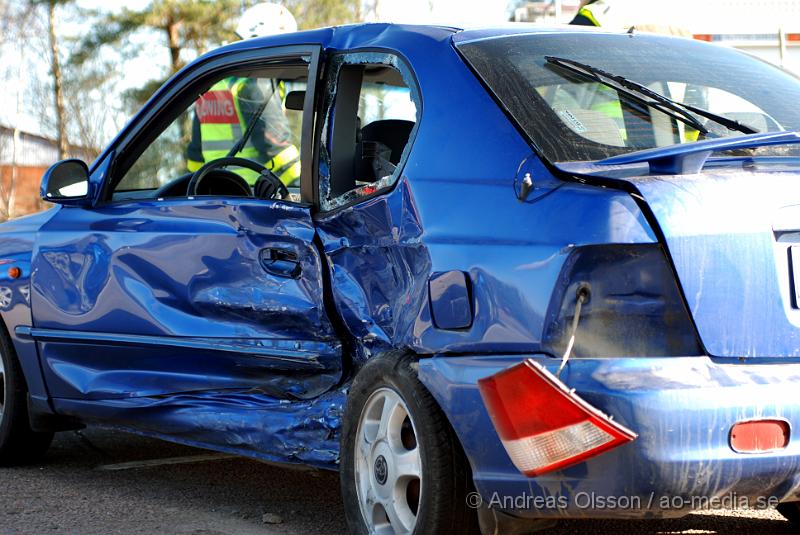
{"points": [[166, 104], [147, 125]]}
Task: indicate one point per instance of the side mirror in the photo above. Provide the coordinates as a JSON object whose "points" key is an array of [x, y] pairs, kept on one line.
{"points": [[66, 182]]}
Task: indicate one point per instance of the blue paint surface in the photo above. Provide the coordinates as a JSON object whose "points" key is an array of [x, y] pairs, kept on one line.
{"points": [[729, 233], [244, 422], [186, 270], [451, 301], [158, 317], [682, 408]]}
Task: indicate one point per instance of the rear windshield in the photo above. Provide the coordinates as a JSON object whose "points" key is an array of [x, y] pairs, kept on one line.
{"points": [[571, 118]]}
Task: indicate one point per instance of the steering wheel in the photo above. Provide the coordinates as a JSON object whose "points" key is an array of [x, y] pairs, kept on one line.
{"points": [[267, 186]]}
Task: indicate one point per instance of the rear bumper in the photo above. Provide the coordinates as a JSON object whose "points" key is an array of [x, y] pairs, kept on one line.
{"points": [[681, 407]]}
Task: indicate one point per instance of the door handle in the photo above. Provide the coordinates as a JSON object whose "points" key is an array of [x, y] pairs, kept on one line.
{"points": [[280, 262]]}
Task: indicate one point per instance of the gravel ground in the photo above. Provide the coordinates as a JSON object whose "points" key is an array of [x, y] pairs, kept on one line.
{"points": [[101, 484]]}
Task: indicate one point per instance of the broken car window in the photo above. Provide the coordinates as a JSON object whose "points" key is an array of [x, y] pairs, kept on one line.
{"points": [[371, 113]]}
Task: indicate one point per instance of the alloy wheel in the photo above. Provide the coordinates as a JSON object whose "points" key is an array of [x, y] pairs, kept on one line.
{"points": [[388, 468]]}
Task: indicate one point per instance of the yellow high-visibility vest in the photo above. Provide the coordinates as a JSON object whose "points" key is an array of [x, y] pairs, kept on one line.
{"points": [[222, 124], [588, 12]]}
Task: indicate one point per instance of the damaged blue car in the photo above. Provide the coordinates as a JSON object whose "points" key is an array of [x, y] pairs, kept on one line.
{"points": [[519, 275]]}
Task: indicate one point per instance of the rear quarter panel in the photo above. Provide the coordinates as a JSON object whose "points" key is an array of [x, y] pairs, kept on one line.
{"points": [[455, 208]]}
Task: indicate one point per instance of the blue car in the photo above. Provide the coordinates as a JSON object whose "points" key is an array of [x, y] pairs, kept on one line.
{"points": [[517, 275]]}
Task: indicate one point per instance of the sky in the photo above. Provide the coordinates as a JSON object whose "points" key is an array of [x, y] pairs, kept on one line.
{"points": [[453, 12], [446, 12], [697, 16]]}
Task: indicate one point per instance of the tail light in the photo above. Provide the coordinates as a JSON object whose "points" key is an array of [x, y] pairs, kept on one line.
{"points": [[543, 425]]}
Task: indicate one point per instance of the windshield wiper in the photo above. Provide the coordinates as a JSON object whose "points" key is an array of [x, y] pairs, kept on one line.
{"points": [[644, 95]]}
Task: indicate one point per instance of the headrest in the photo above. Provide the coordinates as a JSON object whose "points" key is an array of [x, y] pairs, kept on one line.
{"points": [[295, 100], [393, 133]]}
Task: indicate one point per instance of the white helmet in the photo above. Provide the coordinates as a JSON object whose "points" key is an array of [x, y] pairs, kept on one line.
{"points": [[265, 19]]}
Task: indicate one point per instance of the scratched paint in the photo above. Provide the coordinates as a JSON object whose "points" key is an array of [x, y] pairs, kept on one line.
{"points": [[682, 408], [249, 423], [729, 239]]}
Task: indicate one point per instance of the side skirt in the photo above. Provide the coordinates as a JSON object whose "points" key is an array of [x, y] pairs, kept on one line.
{"points": [[247, 423]]}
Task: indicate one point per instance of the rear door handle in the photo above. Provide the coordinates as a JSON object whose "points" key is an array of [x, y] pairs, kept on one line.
{"points": [[280, 262]]}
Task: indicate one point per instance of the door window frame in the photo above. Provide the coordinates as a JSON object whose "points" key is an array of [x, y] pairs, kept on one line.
{"points": [[326, 99], [159, 112]]}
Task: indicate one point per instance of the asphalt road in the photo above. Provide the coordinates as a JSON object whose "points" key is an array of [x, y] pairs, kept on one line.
{"points": [[110, 482]]}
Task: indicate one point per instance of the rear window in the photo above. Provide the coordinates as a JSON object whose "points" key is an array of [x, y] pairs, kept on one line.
{"points": [[569, 117]]}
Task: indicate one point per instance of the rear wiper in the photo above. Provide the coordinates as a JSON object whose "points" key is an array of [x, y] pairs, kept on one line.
{"points": [[644, 95]]}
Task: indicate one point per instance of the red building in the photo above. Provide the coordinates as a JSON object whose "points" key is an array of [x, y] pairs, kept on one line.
{"points": [[24, 157]]}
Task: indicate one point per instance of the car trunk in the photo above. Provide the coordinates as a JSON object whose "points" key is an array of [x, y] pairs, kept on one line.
{"points": [[731, 234]]}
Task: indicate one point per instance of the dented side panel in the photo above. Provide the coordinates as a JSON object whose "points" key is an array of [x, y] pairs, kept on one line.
{"points": [[382, 260], [241, 422], [454, 208], [116, 289], [16, 248]]}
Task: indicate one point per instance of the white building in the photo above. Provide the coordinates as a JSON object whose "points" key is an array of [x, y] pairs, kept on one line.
{"points": [[769, 29]]}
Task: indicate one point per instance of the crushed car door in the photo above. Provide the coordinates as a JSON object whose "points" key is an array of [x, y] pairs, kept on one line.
{"points": [[156, 291]]}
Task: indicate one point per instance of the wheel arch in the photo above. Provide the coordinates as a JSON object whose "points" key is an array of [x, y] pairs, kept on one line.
{"points": [[397, 356], [442, 445]]}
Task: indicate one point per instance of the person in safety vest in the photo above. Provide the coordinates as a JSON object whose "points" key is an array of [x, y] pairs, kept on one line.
{"points": [[591, 13], [222, 113], [606, 102]]}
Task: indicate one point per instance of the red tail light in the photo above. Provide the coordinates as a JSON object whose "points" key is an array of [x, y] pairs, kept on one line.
{"points": [[543, 425]]}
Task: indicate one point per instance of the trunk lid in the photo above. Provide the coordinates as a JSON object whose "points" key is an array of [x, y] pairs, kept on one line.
{"points": [[733, 233]]}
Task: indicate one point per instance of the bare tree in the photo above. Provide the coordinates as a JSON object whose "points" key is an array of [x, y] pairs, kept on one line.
{"points": [[92, 105], [65, 100], [4, 20], [14, 20], [319, 13], [186, 25], [58, 90], [55, 69]]}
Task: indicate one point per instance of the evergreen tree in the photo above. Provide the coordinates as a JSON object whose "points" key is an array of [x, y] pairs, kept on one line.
{"points": [[187, 28]]}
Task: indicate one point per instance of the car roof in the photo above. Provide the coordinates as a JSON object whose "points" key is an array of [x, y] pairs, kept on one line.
{"points": [[397, 36], [352, 36]]}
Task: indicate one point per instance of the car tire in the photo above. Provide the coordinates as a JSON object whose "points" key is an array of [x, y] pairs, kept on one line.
{"points": [[790, 511], [18, 443], [394, 431]]}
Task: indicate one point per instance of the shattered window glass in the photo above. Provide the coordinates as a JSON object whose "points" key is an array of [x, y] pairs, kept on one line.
{"points": [[371, 111]]}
